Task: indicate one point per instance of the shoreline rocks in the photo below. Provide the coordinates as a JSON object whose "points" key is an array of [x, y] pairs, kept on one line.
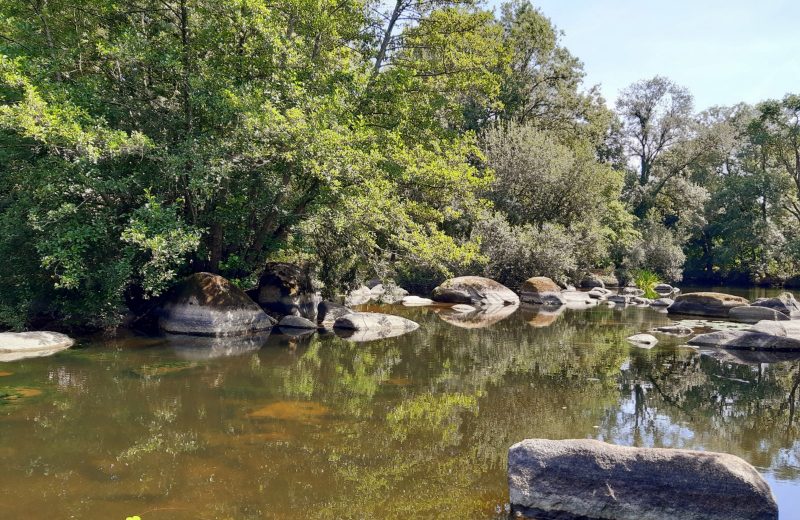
{"points": [[369, 326], [785, 304], [21, 345], [206, 304], [712, 304], [474, 290], [328, 312], [285, 289], [589, 479], [541, 290], [782, 336], [754, 314]]}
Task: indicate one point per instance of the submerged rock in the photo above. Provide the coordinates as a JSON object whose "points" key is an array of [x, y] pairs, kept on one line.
{"points": [[677, 329], [21, 345], [643, 340], [662, 302], [369, 326], [285, 289], [588, 479], [207, 304], [754, 314], [541, 290], [475, 290], [478, 318], [578, 297], [716, 305]]}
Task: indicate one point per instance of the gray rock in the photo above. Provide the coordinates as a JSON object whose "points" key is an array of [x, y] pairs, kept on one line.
{"points": [[678, 329], [599, 293], [296, 322], [588, 479], [475, 290], [285, 289], [754, 314], [358, 296], [746, 339], [206, 304], [21, 345], [662, 302], [578, 297], [416, 301], [790, 329], [541, 290], [664, 289], [619, 298], [370, 326], [785, 304], [328, 312], [632, 291], [643, 340], [716, 305], [641, 300], [591, 280], [392, 294]]}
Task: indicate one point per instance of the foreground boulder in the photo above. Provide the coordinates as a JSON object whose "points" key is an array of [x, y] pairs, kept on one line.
{"points": [[285, 289], [475, 290], [764, 335], [369, 326], [541, 290], [716, 305], [21, 345], [785, 304], [206, 304], [328, 312], [588, 479], [754, 314]]}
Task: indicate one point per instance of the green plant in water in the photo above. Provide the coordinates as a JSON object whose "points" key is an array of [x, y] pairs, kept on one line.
{"points": [[647, 281]]}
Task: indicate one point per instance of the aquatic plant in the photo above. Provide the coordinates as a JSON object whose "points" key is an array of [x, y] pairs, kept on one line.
{"points": [[646, 281]]}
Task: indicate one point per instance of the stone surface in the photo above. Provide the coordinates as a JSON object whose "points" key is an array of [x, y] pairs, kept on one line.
{"points": [[588, 479], [632, 291], [462, 307], [370, 326], [359, 296], [328, 312], [620, 298], [296, 322], [21, 345], [541, 290], [663, 289], [591, 280], [746, 339], [391, 294], [754, 314], [599, 293], [717, 305], [416, 301], [785, 304], [677, 329], [643, 340], [285, 289], [578, 297], [206, 304], [662, 302], [475, 290]]}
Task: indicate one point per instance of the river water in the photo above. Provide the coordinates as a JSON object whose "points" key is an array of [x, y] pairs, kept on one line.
{"points": [[416, 426]]}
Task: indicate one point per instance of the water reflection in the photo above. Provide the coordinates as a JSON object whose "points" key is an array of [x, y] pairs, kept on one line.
{"points": [[405, 426]]}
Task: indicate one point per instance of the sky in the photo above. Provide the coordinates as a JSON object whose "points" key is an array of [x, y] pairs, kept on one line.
{"points": [[724, 52]]}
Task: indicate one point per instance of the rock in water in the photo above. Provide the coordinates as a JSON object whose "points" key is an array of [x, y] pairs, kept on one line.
{"points": [[643, 340], [785, 304], [588, 479], [21, 345], [477, 318], [369, 326], [764, 335], [285, 289], [416, 301], [591, 280], [754, 314], [206, 304], [359, 296], [541, 290], [475, 290], [296, 322], [662, 302], [328, 312], [716, 305]]}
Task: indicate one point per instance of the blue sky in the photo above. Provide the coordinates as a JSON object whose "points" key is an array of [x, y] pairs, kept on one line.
{"points": [[723, 51]]}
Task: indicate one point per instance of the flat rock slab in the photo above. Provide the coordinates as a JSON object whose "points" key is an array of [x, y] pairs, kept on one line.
{"points": [[715, 305], [754, 314], [746, 339], [21, 345], [475, 290], [374, 321], [588, 479], [296, 322]]}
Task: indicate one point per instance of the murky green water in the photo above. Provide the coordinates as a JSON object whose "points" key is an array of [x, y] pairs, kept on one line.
{"points": [[410, 427]]}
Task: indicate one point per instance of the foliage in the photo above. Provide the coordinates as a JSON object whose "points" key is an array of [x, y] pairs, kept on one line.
{"points": [[646, 281]]}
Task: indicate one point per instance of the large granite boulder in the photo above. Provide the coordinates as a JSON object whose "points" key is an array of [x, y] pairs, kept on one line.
{"points": [[785, 304], [22, 345], [541, 290], [328, 312], [285, 289], [716, 305], [754, 314], [764, 335], [206, 304], [369, 326], [588, 479], [475, 290]]}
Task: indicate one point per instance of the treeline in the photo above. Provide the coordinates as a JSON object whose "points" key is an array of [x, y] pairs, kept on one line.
{"points": [[144, 140]]}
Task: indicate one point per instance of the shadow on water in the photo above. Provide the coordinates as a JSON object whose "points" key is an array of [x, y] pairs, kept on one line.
{"points": [[272, 426]]}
